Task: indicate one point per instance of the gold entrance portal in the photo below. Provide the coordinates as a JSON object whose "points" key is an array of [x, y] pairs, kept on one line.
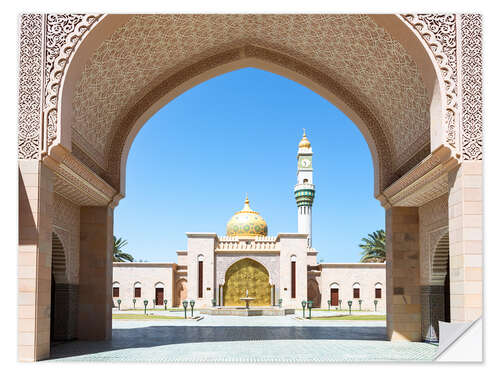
{"points": [[247, 274]]}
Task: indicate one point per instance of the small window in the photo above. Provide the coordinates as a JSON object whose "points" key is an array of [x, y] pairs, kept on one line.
{"points": [[355, 293], [378, 293], [137, 292], [116, 291]]}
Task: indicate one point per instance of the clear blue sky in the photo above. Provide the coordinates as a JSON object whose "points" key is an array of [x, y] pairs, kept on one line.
{"points": [[192, 163]]}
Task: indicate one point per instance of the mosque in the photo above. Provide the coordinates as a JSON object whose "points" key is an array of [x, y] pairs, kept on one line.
{"points": [[282, 269]]}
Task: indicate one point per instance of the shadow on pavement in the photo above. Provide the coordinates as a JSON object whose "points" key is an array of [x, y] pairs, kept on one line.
{"points": [[152, 336]]}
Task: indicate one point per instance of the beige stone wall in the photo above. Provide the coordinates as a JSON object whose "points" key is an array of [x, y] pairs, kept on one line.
{"points": [[201, 244], [466, 241], [149, 275], [345, 275], [293, 244]]}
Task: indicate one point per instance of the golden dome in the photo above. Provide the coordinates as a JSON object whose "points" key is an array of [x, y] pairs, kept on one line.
{"points": [[304, 142], [246, 223]]}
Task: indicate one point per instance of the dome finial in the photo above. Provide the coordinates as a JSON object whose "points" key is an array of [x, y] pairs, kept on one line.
{"points": [[304, 142], [246, 207]]}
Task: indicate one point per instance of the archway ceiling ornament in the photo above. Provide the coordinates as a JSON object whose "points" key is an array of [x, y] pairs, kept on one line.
{"points": [[352, 50], [47, 42]]}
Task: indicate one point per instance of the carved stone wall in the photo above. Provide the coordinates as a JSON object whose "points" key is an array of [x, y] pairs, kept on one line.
{"points": [[440, 33], [66, 222], [433, 218], [30, 86], [471, 86], [345, 48]]}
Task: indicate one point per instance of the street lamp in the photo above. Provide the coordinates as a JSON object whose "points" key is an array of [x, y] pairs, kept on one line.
{"points": [[304, 303], [340, 304], [154, 303], [191, 303], [350, 304], [375, 303], [280, 301], [165, 303], [214, 302], [145, 304], [329, 303], [360, 304], [185, 305], [134, 301], [309, 306], [119, 302]]}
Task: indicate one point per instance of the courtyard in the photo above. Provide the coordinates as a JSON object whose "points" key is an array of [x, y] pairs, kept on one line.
{"points": [[281, 339]]}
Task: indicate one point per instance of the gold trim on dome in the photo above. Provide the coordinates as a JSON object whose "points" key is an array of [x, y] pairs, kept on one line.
{"points": [[304, 143], [246, 223]]}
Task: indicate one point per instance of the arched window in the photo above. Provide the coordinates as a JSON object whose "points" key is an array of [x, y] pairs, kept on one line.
{"points": [[378, 290], [293, 262], [306, 180], [116, 289], [356, 290], [201, 257], [137, 290]]}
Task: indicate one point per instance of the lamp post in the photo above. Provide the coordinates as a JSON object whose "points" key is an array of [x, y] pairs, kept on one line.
{"points": [[280, 301], [145, 304], [119, 302], [329, 303], [134, 301], [185, 305], [375, 303], [214, 302], [350, 304], [340, 304], [360, 304], [191, 303], [309, 306], [304, 303], [165, 304], [154, 303]]}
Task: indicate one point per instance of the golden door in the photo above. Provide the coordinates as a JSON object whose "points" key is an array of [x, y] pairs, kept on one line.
{"points": [[247, 274]]}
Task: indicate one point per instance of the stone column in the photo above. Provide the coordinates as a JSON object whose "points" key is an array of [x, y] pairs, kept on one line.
{"points": [[96, 273], [34, 260], [403, 275], [466, 241]]}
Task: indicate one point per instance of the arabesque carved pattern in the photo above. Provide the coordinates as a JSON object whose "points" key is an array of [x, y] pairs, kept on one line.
{"points": [[63, 32], [352, 50], [440, 33], [472, 85], [30, 86]]}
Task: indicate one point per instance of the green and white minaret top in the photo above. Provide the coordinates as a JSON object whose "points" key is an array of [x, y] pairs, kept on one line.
{"points": [[304, 189]]}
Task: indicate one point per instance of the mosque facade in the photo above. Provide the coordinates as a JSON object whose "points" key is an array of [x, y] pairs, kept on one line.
{"points": [[279, 270]]}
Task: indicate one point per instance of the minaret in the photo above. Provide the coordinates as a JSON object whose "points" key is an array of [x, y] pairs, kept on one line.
{"points": [[304, 190]]}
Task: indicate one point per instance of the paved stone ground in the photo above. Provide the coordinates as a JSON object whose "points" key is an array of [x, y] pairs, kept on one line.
{"points": [[245, 339]]}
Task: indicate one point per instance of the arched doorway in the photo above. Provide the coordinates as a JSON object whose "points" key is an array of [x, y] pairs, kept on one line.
{"points": [[247, 274], [439, 305], [59, 292], [180, 292], [313, 293]]}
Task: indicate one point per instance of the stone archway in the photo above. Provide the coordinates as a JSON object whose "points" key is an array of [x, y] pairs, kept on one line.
{"points": [[60, 293], [180, 293], [313, 292], [247, 274], [70, 147]]}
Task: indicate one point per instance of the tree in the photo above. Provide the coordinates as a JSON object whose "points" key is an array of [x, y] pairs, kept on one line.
{"points": [[118, 254], [373, 247]]}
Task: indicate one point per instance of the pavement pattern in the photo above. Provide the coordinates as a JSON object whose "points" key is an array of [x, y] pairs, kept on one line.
{"points": [[281, 339]]}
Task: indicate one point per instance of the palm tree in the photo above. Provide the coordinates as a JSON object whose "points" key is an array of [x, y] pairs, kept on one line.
{"points": [[373, 247], [118, 254]]}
